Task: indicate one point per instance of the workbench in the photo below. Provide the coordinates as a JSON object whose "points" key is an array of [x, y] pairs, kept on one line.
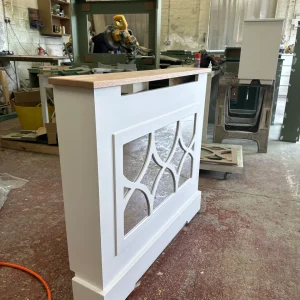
{"points": [[99, 132], [56, 60]]}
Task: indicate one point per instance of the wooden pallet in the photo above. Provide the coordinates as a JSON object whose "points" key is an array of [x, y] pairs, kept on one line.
{"points": [[238, 168], [218, 154]]}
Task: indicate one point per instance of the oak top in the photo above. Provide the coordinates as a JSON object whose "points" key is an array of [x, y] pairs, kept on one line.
{"points": [[98, 81]]}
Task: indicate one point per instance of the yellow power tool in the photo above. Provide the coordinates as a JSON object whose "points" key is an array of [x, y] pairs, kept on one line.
{"points": [[119, 36]]}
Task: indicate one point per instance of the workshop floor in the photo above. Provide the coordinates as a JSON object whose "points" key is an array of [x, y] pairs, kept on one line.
{"points": [[244, 245]]}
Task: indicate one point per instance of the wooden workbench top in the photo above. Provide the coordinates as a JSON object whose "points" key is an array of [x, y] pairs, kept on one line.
{"points": [[34, 58], [98, 81]]}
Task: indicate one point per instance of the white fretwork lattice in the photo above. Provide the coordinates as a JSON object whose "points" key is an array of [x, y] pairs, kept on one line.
{"points": [[167, 165]]}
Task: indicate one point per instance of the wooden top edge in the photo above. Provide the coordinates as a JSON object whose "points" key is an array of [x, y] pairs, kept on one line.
{"points": [[98, 81]]}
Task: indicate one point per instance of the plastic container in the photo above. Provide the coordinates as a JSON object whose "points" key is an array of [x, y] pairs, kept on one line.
{"points": [[31, 117]]}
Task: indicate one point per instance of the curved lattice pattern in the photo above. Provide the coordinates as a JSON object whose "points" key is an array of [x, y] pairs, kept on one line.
{"points": [[165, 163], [137, 210]]}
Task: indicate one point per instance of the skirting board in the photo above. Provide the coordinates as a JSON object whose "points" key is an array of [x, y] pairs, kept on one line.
{"points": [[128, 278]]}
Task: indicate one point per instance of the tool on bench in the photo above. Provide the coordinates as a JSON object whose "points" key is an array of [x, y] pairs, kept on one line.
{"points": [[68, 50], [118, 37], [41, 51]]}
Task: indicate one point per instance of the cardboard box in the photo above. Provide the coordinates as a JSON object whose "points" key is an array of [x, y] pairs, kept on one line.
{"points": [[51, 133], [27, 98]]}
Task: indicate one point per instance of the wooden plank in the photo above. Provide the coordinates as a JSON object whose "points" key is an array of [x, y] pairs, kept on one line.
{"points": [[97, 81], [3, 82], [29, 147], [22, 136]]}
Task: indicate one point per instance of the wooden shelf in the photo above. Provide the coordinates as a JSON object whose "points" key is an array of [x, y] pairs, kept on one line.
{"points": [[59, 17], [54, 34], [57, 34], [50, 20], [60, 2]]}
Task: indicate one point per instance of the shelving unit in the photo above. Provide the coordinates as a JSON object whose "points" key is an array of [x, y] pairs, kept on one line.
{"points": [[49, 19]]}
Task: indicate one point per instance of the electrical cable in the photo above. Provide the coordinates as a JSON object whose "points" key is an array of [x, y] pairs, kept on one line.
{"points": [[14, 69], [17, 38], [4, 264], [10, 77]]}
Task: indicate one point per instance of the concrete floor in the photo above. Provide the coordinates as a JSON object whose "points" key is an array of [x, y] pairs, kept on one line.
{"points": [[244, 244]]}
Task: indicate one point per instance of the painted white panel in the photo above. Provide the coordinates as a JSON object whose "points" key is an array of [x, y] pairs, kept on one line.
{"points": [[260, 47], [288, 59], [284, 80], [286, 70], [283, 90]]}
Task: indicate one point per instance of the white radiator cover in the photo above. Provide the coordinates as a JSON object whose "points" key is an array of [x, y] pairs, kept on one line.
{"points": [[93, 125]]}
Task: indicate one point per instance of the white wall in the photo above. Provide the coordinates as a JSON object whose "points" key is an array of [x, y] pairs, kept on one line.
{"points": [[17, 11], [189, 19], [186, 25], [288, 9]]}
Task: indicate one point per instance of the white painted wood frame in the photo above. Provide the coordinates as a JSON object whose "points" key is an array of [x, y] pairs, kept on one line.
{"points": [[93, 125], [44, 84], [256, 63]]}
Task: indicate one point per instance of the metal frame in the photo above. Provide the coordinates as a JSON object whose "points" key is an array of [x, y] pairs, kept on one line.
{"points": [[242, 116], [276, 89], [81, 9], [261, 135]]}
